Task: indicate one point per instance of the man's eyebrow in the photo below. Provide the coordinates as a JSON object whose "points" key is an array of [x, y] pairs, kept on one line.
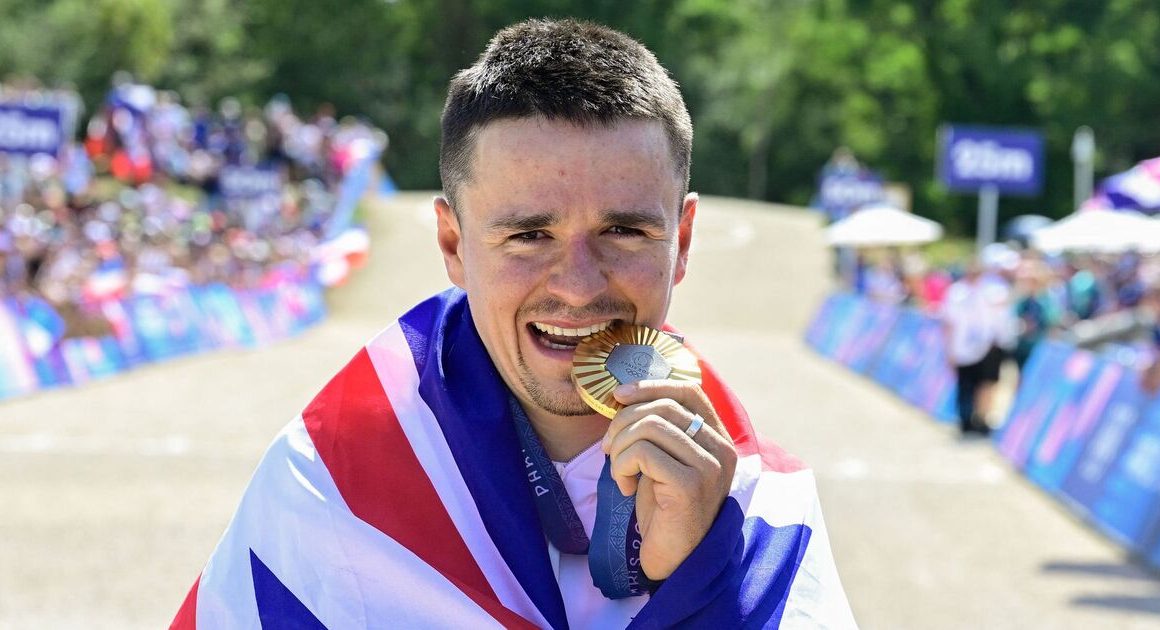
{"points": [[643, 219], [522, 222]]}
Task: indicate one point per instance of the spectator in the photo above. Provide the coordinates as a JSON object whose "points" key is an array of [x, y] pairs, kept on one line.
{"points": [[1037, 311], [56, 241], [977, 318]]}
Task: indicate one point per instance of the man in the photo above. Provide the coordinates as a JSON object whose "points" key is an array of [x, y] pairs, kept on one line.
{"points": [[451, 476], [979, 322]]}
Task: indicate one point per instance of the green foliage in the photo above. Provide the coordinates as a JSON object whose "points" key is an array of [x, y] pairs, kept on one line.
{"points": [[773, 85], [83, 42]]}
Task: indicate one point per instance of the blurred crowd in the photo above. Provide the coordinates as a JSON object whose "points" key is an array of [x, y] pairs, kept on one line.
{"points": [[159, 195], [1091, 300]]}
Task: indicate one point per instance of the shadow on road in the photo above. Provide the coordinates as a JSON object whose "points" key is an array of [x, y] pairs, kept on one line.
{"points": [[1126, 569], [1126, 572], [1126, 603]]}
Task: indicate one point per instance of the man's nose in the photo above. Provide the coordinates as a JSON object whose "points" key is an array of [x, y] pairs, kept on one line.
{"points": [[579, 276]]}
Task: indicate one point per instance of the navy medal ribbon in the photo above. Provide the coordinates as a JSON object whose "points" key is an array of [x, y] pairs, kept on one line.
{"points": [[614, 552]]}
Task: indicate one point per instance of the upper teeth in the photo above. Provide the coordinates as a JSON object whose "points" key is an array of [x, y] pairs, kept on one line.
{"points": [[571, 332]]}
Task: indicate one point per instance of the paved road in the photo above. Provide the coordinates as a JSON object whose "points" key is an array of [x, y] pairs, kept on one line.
{"points": [[112, 495]]}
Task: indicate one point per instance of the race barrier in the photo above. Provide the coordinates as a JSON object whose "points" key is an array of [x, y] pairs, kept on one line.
{"points": [[1080, 426], [34, 355], [899, 348], [152, 327], [1082, 429]]}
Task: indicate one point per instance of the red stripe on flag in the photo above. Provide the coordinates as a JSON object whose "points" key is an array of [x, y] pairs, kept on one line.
{"points": [[364, 448], [186, 618], [773, 457]]}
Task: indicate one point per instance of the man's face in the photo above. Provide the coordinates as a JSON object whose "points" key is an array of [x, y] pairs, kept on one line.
{"points": [[562, 230]]}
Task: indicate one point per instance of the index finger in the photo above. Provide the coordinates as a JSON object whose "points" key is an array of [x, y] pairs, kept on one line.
{"points": [[688, 394]]}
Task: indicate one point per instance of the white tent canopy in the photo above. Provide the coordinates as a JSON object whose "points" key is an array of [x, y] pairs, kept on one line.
{"points": [[882, 225], [1100, 231]]}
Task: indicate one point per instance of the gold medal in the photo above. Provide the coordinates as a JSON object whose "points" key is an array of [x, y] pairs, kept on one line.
{"points": [[627, 353]]}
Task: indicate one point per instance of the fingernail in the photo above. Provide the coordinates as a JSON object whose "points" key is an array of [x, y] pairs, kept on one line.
{"points": [[624, 390]]}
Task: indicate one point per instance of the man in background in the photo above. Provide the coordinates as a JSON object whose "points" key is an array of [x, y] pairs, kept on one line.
{"points": [[979, 322]]}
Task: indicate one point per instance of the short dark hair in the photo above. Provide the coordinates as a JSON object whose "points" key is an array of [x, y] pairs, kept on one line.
{"points": [[579, 72]]}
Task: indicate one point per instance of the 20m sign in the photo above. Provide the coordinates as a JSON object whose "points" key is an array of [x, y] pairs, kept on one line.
{"points": [[1009, 159]]}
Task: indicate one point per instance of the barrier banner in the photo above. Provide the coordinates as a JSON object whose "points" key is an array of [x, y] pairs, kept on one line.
{"points": [[823, 321], [868, 333], [1054, 378], [1086, 486], [17, 375], [116, 312], [309, 304], [1120, 475], [222, 317], [274, 312], [251, 309], [1072, 426], [42, 328], [91, 358], [842, 326], [912, 363], [165, 328], [300, 303], [1080, 426], [935, 386], [931, 385], [191, 335]]}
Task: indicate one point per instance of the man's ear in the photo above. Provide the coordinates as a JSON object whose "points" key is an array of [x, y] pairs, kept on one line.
{"points": [[450, 239], [685, 235]]}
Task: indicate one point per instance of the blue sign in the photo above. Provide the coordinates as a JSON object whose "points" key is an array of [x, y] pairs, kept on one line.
{"points": [[1128, 503], [1057, 378], [872, 330], [912, 364], [1009, 159], [1072, 427], [1087, 484], [246, 182], [842, 191], [27, 129]]}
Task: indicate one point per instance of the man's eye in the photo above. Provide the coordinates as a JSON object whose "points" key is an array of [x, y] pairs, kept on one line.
{"points": [[620, 230], [533, 235]]}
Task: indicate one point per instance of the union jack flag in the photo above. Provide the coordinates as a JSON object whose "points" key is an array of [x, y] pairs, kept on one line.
{"points": [[398, 499]]}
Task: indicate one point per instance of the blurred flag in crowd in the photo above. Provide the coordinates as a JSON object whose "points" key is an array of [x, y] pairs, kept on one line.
{"points": [[1137, 188]]}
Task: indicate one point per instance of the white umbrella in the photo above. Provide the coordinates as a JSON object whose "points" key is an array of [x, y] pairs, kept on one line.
{"points": [[881, 226], [1101, 231]]}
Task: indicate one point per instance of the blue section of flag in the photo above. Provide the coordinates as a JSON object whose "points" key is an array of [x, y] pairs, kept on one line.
{"points": [[743, 571], [278, 608]]}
